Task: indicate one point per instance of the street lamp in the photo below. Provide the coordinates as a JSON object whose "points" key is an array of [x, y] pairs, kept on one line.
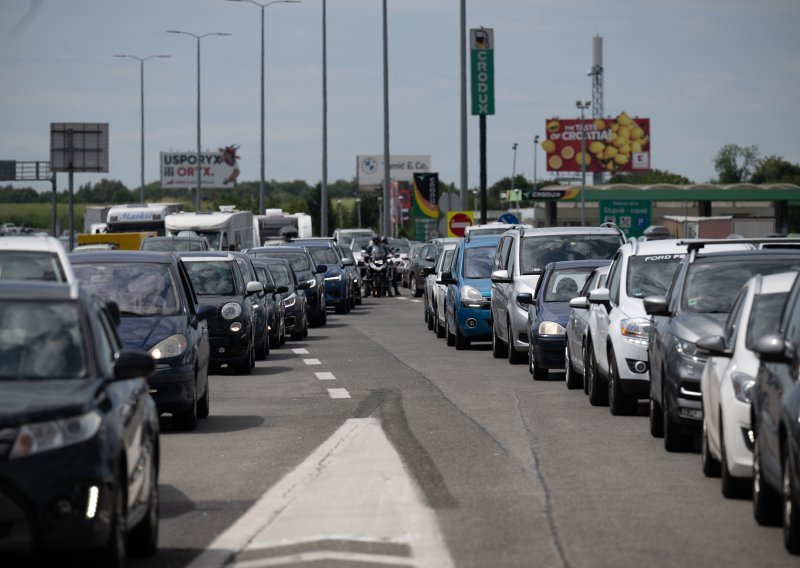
{"points": [[583, 106], [141, 61], [262, 182], [198, 200], [535, 152], [358, 204]]}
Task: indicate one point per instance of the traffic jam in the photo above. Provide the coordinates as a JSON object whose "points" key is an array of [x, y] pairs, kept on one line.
{"points": [[703, 333]]}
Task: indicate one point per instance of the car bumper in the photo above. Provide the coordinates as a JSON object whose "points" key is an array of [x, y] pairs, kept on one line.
{"points": [[45, 500], [549, 350], [229, 346], [172, 387], [735, 416], [475, 323], [519, 328], [633, 367]]}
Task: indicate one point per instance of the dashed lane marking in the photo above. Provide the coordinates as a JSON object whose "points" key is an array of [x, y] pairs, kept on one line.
{"points": [[312, 361], [338, 393], [300, 351], [400, 298], [325, 376], [417, 301]]}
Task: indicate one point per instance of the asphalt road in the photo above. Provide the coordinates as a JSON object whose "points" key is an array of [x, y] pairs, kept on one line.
{"points": [[515, 472]]}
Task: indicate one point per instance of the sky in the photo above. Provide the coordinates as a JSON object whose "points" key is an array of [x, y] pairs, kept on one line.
{"points": [[705, 72]]}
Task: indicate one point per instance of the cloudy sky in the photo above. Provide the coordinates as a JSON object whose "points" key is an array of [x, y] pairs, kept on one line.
{"points": [[705, 72]]}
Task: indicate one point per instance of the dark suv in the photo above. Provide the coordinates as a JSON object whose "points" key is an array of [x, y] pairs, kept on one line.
{"points": [[423, 264], [697, 304]]}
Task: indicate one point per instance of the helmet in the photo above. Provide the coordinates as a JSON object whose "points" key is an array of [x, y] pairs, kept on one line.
{"points": [[385, 241]]}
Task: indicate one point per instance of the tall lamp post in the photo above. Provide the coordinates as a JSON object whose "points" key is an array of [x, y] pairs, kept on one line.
{"points": [[262, 180], [141, 61], [358, 204], [582, 106], [535, 152], [197, 198]]}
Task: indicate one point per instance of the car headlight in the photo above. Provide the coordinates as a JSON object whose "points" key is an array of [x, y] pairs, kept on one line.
{"points": [[290, 301], [635, 330], [689, 350], [470, 294], [170, 347], [231, 310], [743, 386], [551, 328], [336, 278], [43, 436]]}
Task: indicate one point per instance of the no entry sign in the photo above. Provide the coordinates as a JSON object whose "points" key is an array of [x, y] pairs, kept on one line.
{"points": [[457, 221]]}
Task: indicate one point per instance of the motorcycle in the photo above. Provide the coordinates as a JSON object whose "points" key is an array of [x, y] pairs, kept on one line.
{"points": [[378, 276]]}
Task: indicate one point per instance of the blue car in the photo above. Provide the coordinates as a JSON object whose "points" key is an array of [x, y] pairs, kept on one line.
{"points": [[338, 282], [548, 312], [467, 310]]}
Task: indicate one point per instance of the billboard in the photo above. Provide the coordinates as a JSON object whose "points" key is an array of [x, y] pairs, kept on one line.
{"points": [[620, 144], [218, 169], [79, 146], [482, 64], [425, 206], [369, 168]]}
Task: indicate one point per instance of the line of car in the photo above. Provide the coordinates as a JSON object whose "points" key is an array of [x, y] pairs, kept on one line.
{"points": [[96, 346], [707, 332]]}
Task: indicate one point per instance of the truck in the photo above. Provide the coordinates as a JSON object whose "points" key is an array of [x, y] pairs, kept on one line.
{"points": [[226, 229], [277, 225], [123, 241], [139, 217]]}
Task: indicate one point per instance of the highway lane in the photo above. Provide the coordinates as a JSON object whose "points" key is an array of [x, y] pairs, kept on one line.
{"points": [[517, 472]]}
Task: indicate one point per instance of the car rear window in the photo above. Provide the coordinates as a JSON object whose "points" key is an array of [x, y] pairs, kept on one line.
{"points": [[298, 260], [765, 315], [323, 255], [211, 277], [565, 284], [650, 275], [144, 289], [281, 275], [478, 262], [538, 251], [711, 287], [30, 265]]}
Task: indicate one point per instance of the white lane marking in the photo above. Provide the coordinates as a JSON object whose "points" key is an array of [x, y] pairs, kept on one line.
{"points": [[338, 393], [416, 301], [352, 487], [312, 362], [325, 376], [400, 298], [328, 556], [300, 351]]}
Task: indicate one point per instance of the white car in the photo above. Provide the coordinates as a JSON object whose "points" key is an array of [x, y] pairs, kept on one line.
{"points": [[616, 364], [34, 258], [576, 329], [729, 376], [436, 290]]}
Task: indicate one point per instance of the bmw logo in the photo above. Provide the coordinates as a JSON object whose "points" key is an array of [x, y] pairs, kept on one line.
{"points": [[370, 165]]}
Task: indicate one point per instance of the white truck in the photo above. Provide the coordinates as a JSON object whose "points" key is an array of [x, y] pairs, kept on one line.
{"points": [[226, 229], [136, 218], [275, 225]]}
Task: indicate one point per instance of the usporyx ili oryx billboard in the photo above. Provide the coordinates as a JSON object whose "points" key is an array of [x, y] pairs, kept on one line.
{"points": [[218, 169], [620, 144]]}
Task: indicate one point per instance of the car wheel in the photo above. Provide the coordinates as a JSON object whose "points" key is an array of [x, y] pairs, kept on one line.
{"points": [[514, 356], [114, 552], [414, 285], [462, 343], [323, 317], [656, 419], [766, 501], [305, 325], [143, 539], [620, 403], [498, 347], [674, 438], [187, 419], [282, 339], [341, 308], [204, 405], [571, 376], [430, 319], [598, 394], [711, 465], [243, 367], [450, 339], [425, 312], [440, 330], [732, 487], [262, 349], [791, 506], [538, 373]]}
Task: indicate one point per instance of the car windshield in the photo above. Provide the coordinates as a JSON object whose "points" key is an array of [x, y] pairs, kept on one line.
{"points": [[180, 245], [41, 340], [765, 315], [212, 277], [360, 243], [478, 262], [323, 255], [142, 289], [298, 260], [651, 275], [281, 275], [711, 287], [399, 245], [564, 284], [30, 265], [538, 251]]}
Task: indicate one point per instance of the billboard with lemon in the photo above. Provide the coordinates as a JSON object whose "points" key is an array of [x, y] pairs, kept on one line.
{"points": [[620, 144]]}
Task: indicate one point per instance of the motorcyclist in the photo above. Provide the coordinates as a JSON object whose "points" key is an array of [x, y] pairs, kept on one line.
{"points": [[379, 250], [392, 267]]}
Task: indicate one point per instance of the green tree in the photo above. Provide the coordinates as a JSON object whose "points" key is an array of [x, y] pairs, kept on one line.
{"points": [[774, 169], [651, 177], [736, 164]]}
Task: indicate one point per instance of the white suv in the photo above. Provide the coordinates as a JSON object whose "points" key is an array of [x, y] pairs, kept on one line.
{"points": [[34, 258], [616, 370], [520, 258]]}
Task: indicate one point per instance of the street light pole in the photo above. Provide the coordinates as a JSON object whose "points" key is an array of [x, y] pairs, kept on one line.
{"points": [[262, 180], [141, 61], [198, 199], [535, 148], [358, 203], [583, 106]]}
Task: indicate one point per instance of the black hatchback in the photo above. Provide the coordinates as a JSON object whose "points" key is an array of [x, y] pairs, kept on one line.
{"points": [[79, 430]]}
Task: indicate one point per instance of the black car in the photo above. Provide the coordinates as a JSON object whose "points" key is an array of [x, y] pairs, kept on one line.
{"points": [[267, 310], [306, 270], [175, 243], [338, 281], [292, 292], [159, 314], [698, 302], [274, 293], [420, 267], [79, 431], [218, 280], [775, 422]]}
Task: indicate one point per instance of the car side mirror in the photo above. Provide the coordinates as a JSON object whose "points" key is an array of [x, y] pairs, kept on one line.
{"points": [[427, 270], [525, 298], [304, 285], [446, 277], [715, 345], [206, 311], [281, 289], [270, 288], [579, 303], [599, 296], [430, 258], [656, 306], [348, 262], [772, 348], [501, 277], [320, 269], [254, 287], [133, 363]]}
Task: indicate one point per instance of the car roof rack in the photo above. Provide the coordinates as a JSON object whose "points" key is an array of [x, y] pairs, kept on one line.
{"points": [[697, 244]]}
